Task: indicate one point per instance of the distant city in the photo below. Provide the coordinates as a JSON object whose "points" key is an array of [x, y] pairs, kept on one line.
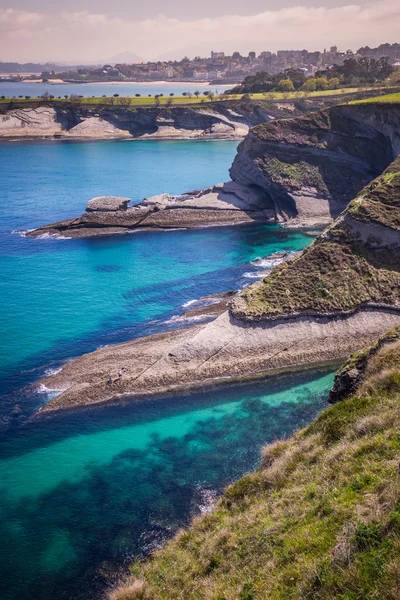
{"points": [[219, 67]]}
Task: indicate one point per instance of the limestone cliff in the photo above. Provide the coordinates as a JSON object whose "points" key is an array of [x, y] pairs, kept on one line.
{"points": [[217, 120], [312, 166]]}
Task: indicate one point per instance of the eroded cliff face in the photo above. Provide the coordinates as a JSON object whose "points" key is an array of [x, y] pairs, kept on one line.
{"points": [[312, 166], [354, 264], [213, 121]]}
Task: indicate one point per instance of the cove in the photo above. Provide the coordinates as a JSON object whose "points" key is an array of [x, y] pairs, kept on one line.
{"points": [[90, 492], [84, 494], [62, 298]]}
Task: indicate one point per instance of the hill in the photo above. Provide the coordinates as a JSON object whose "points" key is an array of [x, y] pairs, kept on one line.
{"points": [[320, 519]]}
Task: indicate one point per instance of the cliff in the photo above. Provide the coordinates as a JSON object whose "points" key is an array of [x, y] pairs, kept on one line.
{"points": [[66, 120], [302, 171], [319, 519], [338, 295], [312, 166], [354, 264]]}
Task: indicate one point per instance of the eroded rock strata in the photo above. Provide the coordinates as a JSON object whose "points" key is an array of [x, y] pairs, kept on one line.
{"points": [[338, 295], [312, 166], [214, 121], [301, 172]]}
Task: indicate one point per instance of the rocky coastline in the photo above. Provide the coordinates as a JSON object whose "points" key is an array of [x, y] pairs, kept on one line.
{"points": [[301, 172], [214, 121], [338, 295]]}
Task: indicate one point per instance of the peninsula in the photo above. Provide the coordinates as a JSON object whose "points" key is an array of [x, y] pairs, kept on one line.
{"points": [[339, 294]]}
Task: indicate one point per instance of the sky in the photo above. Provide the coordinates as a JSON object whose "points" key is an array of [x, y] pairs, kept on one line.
{"points": [[80, 31]]}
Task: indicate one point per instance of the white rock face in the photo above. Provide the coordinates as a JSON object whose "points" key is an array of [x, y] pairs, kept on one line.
{"points": [[30, 120], [107, 204]]}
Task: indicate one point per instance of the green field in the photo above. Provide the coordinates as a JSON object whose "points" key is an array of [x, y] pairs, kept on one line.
{"points": [[388, 99], [185, 100]]}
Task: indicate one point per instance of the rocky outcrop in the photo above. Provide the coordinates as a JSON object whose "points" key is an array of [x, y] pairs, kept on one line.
{"points": [[310, 167], [351, 376], [335, 297], [214, 121], [354, 264], [222, 204]]}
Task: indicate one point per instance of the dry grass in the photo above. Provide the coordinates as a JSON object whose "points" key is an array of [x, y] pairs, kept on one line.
{"points": [[133, 589], [319, 520]]}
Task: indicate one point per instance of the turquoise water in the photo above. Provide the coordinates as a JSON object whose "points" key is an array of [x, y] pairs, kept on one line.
{"points": [[81, 495]]}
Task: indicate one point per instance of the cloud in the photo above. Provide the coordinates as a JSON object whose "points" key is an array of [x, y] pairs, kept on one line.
{"points": [[83, 36]]}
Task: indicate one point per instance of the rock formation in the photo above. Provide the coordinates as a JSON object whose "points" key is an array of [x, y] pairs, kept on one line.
{"points": [[312, 166], [223, 204], [338, 295], [301, 171], [214, 121]]}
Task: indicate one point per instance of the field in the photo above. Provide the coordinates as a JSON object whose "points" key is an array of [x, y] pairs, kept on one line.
{"points": [[193, 100], [388, 99]]}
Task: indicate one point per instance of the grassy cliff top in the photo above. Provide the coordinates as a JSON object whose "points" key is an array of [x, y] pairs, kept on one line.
{"points": [[319, 520], [387, 99], [339, 272], [379, 202]]}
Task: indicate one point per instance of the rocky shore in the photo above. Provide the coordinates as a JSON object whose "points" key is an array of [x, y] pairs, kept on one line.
{"points": [[223, 204], [301, 172], [338, 295]]}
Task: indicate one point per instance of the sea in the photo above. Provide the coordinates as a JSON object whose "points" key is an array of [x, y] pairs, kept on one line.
{"points": [[85, 494], [11, 88]]}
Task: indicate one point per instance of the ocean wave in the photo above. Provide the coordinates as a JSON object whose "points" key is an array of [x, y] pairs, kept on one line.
{"points": [[183, 319], [49, 372], [202, 302], [253, 275], [268, 262], [44, 389], [21, 232]]}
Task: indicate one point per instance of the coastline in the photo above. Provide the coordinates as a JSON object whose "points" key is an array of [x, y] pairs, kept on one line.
{"points": [[204, 356]]}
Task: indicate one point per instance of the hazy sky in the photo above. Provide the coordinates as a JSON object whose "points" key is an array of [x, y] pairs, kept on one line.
{"points": [[91, 30]]}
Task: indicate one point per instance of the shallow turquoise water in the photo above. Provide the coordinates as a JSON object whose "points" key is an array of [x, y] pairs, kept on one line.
{"points": [[83, 494]]}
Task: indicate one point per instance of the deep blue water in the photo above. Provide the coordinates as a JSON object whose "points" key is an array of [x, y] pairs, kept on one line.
{"points": [[81, 495]]}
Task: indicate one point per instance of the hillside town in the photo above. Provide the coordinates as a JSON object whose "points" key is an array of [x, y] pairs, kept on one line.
{"points": [[218, 68]]}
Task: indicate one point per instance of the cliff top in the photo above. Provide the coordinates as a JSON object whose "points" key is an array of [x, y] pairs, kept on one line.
{"points": [[354, 263], [319, 519], [387, 99]]}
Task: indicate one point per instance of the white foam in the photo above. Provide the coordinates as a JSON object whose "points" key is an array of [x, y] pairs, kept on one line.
{"points": [[22, 232], [202, 302], [252, 275], [266, 263], [50, 372], [183, 319], [43, 389]]}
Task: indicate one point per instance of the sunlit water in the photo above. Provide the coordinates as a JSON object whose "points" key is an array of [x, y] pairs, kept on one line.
{"points": [[82, 495]]}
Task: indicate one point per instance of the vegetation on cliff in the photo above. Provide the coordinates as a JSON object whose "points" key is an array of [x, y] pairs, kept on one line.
{"points": [[341, 270], [320, 519]]}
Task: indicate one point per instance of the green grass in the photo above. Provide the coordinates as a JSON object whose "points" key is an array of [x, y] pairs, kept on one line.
{"points": [[388, 99], [320, 520], [184, 100]]}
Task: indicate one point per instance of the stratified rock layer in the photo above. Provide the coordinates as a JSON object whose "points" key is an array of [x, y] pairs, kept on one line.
{"points": [[312, 166]]}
